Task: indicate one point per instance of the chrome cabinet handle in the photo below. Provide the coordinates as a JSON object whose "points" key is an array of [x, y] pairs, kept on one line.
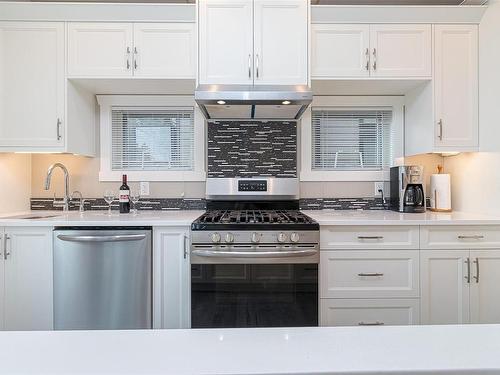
{"points": [[254, 254], [374, 59], [135, 58], [467, 278], [367, 55], [185, 247], [249, 65], [373, 274], [257, 66], [377, 323], [5, 250], [476, 262], [370, 238], [128, 58], [440, 124], [116, 238], [58, 127], [474, 237]]}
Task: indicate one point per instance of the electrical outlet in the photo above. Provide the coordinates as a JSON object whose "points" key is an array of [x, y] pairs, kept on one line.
{"points": [[379, 185], [144, 188]]}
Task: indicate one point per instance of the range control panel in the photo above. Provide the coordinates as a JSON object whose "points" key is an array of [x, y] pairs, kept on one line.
{"points": [[252, 185]]}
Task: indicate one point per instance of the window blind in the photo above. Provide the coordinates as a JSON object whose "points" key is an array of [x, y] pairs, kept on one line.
{"points": [[152, 138], [351, 139]]}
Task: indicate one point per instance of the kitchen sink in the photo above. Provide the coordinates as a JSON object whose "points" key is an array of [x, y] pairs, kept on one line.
{"points": [[30, 217]]}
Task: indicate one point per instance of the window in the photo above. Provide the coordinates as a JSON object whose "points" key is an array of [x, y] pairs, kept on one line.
{"points": [[151, 138], [351, 138]]}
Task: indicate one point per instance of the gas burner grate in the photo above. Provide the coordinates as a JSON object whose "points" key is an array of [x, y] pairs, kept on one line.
{"points": [[254, 217]]}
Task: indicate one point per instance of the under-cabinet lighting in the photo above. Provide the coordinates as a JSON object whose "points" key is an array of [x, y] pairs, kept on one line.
{"points": [[221, 102], [286, 102]]}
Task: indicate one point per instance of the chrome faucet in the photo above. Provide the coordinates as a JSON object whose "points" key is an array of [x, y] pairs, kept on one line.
{"points": [[64, 203]]}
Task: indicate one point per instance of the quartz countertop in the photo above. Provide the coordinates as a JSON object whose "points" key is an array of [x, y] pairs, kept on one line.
{"points": [[385, 217], [101, 218], [466, 349]]}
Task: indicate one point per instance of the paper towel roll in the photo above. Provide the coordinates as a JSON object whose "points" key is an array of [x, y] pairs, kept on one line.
{"points": [[440, 194]]}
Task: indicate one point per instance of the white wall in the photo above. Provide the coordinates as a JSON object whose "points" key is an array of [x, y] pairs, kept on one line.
{"points": [[476, 177], [15, 186]]}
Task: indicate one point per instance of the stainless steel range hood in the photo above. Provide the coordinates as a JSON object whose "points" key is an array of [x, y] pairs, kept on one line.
{"points": [[253, 102]]}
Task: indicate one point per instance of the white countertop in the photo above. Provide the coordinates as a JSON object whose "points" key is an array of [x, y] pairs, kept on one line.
{"points": [[384, 217], [101, 218], [466, 349]]}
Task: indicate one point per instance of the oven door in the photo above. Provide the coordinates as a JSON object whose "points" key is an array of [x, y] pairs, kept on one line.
{"points": [[264, 290]]}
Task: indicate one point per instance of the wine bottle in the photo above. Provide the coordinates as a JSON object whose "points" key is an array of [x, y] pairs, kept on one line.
{"points": [[124, 196]]}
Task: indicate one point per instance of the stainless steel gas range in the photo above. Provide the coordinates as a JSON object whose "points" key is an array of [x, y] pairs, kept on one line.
{"points": [[254, 257]]}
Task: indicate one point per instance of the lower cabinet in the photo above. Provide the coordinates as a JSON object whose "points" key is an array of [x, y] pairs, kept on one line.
{"points": [[369, 312], [26, 278], [171, 277]]}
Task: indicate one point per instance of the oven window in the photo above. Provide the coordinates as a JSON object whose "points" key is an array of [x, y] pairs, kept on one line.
{"points": [[254, 295]]}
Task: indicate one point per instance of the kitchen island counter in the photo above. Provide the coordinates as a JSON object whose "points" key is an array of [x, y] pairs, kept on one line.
{"points": [[466, 349]]}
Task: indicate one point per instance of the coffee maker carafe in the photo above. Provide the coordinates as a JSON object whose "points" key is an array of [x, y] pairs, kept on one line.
{"points": [[407, 189]]}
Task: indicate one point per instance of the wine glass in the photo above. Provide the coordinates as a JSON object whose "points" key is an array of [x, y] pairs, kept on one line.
{"points": [[109, 197], [135, 196]]}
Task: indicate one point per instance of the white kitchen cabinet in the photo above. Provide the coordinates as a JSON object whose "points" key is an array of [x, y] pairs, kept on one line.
{"points": [[340, 51], [166, 50], [281, 42], [445, 290], [32, 86], [225, 32], [369, 312], [100, 49], [484, 298], [171, 278], [253, 42], [401, 50], [27, 278], [456, 87]]}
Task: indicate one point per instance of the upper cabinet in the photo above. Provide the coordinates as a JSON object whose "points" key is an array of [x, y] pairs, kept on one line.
{"points": [[155, 50], [386, 51], [456, 87], [31, 85], [253, 42]]}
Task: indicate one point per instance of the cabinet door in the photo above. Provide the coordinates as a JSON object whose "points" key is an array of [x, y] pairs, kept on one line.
{"points": [[445, 290], [368, 312], [340, 51], [401, 50], [171, 278], [2, 279], [456, 86], [281, 42], [484, 299], [100, 49], [225, 37], [28, 279], [165, 50], [31, 85]]}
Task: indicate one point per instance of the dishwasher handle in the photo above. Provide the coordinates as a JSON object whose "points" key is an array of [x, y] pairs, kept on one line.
{"points": [[112, 238]]}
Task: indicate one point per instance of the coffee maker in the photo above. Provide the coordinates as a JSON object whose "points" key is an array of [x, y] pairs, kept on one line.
{"points": [[407, 189]]}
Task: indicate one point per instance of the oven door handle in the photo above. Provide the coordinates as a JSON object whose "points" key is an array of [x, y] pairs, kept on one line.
{"points": [[254, 254]]}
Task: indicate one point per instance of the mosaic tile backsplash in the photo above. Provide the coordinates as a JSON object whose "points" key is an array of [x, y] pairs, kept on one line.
{"points": [[252, 148]]}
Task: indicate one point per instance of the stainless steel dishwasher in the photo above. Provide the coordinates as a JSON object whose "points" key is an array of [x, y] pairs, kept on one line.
{"points": [[102, 278]]}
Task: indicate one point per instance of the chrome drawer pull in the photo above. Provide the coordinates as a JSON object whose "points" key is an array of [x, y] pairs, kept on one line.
{"points": [[467, 278], [477, 270], [475, 237], [370, 237], [374, 274], [371, 323]]}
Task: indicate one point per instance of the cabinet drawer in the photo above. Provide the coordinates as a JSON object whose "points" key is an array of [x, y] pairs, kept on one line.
{"points": [[369, 312], [369, 237], [369, 274], [460, 237]]}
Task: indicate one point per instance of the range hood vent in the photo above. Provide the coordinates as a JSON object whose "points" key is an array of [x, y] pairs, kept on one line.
{"points": [[253, 102]]}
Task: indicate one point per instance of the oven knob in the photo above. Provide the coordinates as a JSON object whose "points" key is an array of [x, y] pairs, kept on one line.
{"points": [[215, 237], [255, 237], [294, 237], [281, 237], [229, 238]]}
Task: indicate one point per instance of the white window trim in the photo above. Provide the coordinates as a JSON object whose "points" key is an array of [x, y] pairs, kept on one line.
{"points": [[106, 102], [306, 171]]}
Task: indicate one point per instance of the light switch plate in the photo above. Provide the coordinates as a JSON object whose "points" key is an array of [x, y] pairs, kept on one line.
{"points": [[379, 185], [144, 188]]}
